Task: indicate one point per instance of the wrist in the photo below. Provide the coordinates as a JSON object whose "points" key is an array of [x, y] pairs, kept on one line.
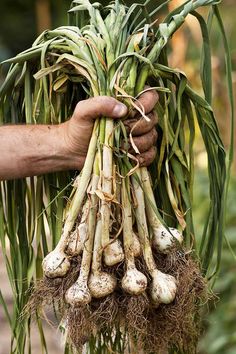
{"points": [[68, 153]]}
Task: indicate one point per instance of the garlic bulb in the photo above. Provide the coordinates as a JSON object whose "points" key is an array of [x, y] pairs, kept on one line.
{"points": [[78, 293], [165, 239], [77, 239], [56, 264], [163, 288], [113, 253], [134, 282], [101, 284]]}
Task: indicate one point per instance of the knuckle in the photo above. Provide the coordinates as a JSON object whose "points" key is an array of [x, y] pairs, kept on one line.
{"points": [[148, 157], [78, 106], [152, 121], [105, 101], [142, 160]]}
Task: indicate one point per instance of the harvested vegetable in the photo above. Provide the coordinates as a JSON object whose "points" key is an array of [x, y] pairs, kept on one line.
{"points": [[124, 253]]}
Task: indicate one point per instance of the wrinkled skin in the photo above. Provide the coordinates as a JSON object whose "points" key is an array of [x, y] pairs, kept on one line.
{"points": [[78, 130], [36, 149]]}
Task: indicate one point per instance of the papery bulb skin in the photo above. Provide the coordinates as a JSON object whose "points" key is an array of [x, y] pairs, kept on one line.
{"points": [[134, 282], [78, 294], [77, 239], [165, 240], [177, 234], [163, 288], [113, 253], [55, 264], [101, 284]]}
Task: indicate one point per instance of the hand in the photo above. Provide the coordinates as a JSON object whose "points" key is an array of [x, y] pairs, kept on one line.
{"points": [[77, 131], [143, 132]]}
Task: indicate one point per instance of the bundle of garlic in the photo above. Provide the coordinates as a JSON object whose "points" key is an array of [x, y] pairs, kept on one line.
{"points": [[120, 236]]}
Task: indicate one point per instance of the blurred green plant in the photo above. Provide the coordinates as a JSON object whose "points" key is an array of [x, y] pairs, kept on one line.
{"points": [[16, 201], [219, 336]]}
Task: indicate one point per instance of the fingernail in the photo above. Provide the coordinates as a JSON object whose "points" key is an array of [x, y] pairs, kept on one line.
{"points": [[120, 110]]}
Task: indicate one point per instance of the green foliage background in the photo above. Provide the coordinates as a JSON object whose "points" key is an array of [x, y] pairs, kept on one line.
{"points": [[18, 29]]}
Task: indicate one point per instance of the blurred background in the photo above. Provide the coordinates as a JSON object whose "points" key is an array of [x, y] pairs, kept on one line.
{"points": [[21, 22]]}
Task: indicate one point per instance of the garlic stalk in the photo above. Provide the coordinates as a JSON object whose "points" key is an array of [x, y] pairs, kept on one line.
{"points": [[163, 239], [100, 283], [79, 292], [136, 245], [76, 240], [56, 263], [163, 287], [134, 282], [112, 252], [78, 236], [84, 180]]}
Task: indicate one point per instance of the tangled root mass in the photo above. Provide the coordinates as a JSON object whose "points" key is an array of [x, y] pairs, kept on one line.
{"points": [[176, 325]]}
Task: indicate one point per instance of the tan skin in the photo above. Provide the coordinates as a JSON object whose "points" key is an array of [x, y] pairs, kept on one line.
{"points": [[30, 150]]}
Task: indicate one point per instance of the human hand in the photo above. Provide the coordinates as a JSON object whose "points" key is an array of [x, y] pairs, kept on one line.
{"points": [[77, 130], [143, 132]]}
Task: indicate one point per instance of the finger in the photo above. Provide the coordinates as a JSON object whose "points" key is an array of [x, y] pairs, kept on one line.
{"points": [[147, 157], [141, 126], [145, 142], [95, 107], [146, 101]]}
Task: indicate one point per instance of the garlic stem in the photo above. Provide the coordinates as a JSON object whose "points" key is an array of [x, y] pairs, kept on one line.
{"points": [[164, 239], [136, 245], [133, 282], [56, 263], [113, 252], [100, 283], [76, 240], [84, 181], [79, 292], [163, 287], [78, 236], [107, 175]]}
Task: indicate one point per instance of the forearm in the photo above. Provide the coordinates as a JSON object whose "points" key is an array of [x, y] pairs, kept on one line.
{"points": [[30, 150]]}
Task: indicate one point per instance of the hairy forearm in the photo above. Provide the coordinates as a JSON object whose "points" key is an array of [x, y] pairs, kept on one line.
{"points": [[30, 150]]}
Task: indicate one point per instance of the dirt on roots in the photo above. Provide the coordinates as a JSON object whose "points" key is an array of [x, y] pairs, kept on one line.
{"points": [[154, 329]]}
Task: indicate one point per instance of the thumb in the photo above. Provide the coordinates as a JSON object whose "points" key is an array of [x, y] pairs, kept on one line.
{"points": [[95, 107]]}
